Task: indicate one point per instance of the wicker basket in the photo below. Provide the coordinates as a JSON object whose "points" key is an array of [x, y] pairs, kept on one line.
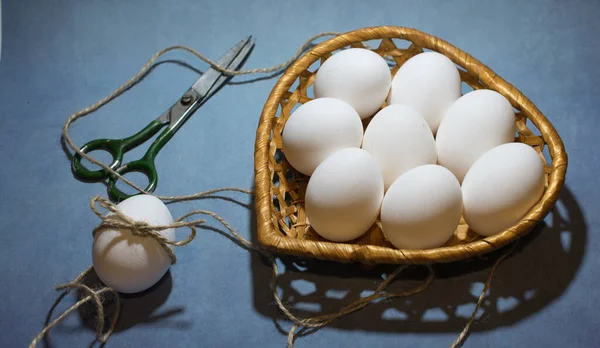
{"points": [[282, 223]]}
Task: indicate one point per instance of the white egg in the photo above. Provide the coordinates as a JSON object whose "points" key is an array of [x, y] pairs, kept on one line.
{"points": [[358, 76], [422, 208], [129, 263], [501, 187], [317, 129], [428, 82], [399, 139], [344, 195], [475, 123]]}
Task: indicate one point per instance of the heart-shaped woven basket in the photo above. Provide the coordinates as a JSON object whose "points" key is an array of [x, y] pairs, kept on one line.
{"points": [[279, 189]]}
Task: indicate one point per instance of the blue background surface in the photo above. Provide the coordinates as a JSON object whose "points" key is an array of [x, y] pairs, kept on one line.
{"points": [[60, 56]]}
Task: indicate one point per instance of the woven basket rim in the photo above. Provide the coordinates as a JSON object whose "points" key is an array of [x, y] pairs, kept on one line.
{"points": [[274, 240]]}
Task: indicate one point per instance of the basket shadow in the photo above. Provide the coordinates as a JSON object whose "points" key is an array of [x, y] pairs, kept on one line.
{"points": [[136, 309], [538, 272]]}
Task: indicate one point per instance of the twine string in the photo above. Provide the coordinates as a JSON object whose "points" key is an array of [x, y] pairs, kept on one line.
{"points": [[96, 296], [463, 334], [115, 219]]}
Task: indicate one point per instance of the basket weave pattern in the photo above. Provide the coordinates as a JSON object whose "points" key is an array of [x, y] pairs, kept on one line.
{"points": [[282, 223]]}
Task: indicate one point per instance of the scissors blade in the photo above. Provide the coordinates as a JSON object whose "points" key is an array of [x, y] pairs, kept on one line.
{"points": [[213, 78]]}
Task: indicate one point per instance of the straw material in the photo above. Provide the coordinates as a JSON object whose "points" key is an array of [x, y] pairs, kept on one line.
{"points": [[279, 189]]}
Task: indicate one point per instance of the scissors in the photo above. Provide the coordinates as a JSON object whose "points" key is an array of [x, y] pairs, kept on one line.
{"points": [[173, 118]]}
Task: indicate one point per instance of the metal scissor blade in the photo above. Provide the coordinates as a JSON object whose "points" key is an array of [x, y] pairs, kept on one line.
{"points": [[212, 77], [235, 64]]}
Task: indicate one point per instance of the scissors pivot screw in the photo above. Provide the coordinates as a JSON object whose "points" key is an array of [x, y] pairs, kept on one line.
{"points": [[186, 99]]}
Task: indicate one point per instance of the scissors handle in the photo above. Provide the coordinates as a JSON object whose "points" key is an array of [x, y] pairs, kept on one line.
{"points": [[144, 165], [116, 148]]}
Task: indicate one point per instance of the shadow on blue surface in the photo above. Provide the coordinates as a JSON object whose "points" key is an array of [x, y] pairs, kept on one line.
{"points": [[136, 309], [540, 269]]}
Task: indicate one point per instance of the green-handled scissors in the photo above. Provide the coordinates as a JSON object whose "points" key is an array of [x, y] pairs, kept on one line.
{"points": [[173, 118]]}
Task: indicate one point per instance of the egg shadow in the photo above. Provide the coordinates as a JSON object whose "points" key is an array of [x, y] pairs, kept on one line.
{"points": [[535, 274], [136, 309]]}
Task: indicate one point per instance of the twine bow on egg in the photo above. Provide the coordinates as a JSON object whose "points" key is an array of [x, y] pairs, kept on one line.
{"points": [[141, 228]]}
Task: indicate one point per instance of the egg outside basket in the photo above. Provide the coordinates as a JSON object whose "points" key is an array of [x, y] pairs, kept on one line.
{"points": [[281, 217]]}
